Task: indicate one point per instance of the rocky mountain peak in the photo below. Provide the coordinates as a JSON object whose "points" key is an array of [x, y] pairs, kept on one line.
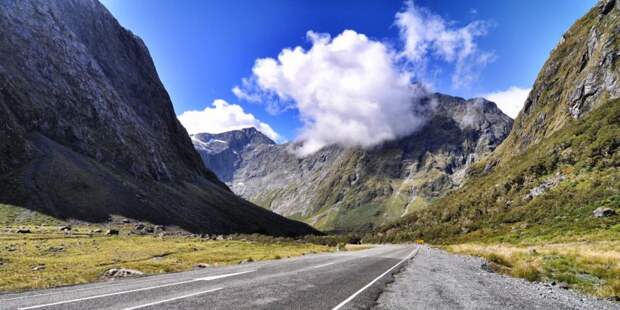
{"points": [[221, 151]]}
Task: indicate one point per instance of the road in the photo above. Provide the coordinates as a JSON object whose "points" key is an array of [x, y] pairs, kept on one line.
{"points": [[345, 280]]}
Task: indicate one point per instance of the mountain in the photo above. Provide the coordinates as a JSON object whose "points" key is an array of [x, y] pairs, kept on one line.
{"points": [[222, 152], [87, 129], [341, 188], [560, 161]]}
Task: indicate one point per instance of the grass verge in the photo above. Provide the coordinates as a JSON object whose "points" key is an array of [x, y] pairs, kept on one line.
{"points": [[592, 267], [76, 259]]}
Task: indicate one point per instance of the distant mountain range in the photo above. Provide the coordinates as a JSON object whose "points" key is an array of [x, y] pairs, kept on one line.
{"points": [[88, 131], [340, 188], [469, 173]]}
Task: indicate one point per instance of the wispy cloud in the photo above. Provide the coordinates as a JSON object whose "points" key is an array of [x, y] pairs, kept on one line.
{"points": [[427, 36]]}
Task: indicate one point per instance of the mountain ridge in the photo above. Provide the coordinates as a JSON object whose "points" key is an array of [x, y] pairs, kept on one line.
{"points": [[340, 188], [88, 130]]}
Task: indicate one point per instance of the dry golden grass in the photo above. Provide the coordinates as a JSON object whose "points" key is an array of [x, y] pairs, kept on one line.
{"points": [[76, 259], [592, 267]]}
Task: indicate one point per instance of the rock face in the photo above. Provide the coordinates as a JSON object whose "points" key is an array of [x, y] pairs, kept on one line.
{"points": [[340, 188], [581, 74], [87, 130]]}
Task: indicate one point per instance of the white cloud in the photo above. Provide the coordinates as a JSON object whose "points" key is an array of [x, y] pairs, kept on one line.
{"points": [[428, 35], [348, 91], [510, 101], [223, 116], [355, 91]]}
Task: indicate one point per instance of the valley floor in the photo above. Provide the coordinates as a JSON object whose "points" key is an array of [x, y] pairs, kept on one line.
{"points": [[435, 279], [46, 258]]}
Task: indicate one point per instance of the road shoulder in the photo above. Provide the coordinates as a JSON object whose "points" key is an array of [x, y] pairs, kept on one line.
{"points": [[436, 279]]}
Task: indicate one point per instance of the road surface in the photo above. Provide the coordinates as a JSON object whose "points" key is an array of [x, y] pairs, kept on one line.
{"points": [[345, 280]]}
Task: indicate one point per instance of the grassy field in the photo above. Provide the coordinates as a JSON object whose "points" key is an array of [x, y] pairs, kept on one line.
{"points": [[589, 263], [81, 257]]}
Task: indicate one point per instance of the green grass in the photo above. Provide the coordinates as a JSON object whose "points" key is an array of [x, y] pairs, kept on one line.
{"points": [[15, 216]]}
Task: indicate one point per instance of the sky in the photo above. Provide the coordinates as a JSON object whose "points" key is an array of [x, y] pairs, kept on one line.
{"points": [[345, 72]]}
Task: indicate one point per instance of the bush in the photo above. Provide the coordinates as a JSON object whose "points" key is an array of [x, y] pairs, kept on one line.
{"points": [[527, 271]]}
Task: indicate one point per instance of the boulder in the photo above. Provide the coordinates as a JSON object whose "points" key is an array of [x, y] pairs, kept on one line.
{"points": [[116, 273], [38, 268], [603, 212], [55, 249], [112, 232]]}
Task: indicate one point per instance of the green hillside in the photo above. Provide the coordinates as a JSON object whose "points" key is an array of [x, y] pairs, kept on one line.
{"points": [[576, 171]]}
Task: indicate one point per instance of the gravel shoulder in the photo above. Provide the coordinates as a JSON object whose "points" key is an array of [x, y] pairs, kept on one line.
{"points": [[435, 279]]}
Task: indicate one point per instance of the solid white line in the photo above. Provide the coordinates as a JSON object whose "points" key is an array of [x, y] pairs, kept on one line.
{"points": [[340, 305], [224, 275], [68, 289], [324, 265], [136, 290], [173, 299], [108, 285]]}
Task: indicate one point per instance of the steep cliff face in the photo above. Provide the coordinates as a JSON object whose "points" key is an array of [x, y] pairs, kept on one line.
{"points": [[340, 188], [580, 75], [560, 161], [87, 129]]}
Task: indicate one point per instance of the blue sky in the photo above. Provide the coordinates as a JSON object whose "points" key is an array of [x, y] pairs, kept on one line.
{"points": [[202, 49]]}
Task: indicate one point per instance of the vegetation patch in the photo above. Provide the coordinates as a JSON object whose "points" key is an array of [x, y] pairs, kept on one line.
{"points": [[592, 267], [47, 258], [549, 191]]}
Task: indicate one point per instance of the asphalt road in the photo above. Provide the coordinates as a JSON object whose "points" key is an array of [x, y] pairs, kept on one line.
{"points": [[345, 280]]}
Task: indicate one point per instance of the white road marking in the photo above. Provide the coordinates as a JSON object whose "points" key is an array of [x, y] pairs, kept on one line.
{"points": [[173, 299], [136, 290], [324, 265], [224, 275], [104, 285], [340, 305]]}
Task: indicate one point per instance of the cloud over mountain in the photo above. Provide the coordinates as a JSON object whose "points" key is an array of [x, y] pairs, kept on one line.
{"points": [[353, 90], [511, 100], [348, 90], [223, 116]]}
